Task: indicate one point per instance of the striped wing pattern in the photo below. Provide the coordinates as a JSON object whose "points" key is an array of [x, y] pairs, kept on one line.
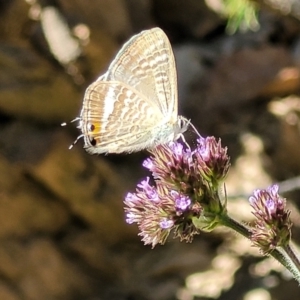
{"points": [[133, 105]]}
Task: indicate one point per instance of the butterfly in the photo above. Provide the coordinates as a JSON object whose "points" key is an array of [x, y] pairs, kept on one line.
{"points": [[134, 105]]}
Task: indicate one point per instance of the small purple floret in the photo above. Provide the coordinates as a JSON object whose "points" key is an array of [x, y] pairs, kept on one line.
{"points": [[166, 223], [271, 205], [130, 197], [130, 218], [203, 149], [148, 164], [181, 202], [149, 190]]}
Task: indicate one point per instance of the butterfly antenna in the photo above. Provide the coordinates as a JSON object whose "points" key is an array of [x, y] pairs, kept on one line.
{"points": [[72, 121], [79, 137]]}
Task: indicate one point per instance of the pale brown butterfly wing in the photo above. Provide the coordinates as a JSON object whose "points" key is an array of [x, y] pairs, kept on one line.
{"points": [[133, 105], [146, 62], [116, 118]]}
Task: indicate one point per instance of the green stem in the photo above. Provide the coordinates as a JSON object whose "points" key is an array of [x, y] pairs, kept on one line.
{"points": [[293, 260], [287, 257], [235, 225]]}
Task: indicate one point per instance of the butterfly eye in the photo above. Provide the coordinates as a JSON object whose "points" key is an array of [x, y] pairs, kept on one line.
{"points": [[91, 127]]}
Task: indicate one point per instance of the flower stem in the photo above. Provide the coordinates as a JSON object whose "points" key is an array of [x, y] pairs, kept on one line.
{"points": [[294, 258], [235, 225], [287, 257], [293, 261]]}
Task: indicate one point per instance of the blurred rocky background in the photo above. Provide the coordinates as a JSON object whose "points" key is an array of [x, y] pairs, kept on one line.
{"points": [[62, 227]]}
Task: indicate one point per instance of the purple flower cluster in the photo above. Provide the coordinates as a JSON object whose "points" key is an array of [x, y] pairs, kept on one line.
{"points": [[212, 159], [272, 226], [185, 188]]}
